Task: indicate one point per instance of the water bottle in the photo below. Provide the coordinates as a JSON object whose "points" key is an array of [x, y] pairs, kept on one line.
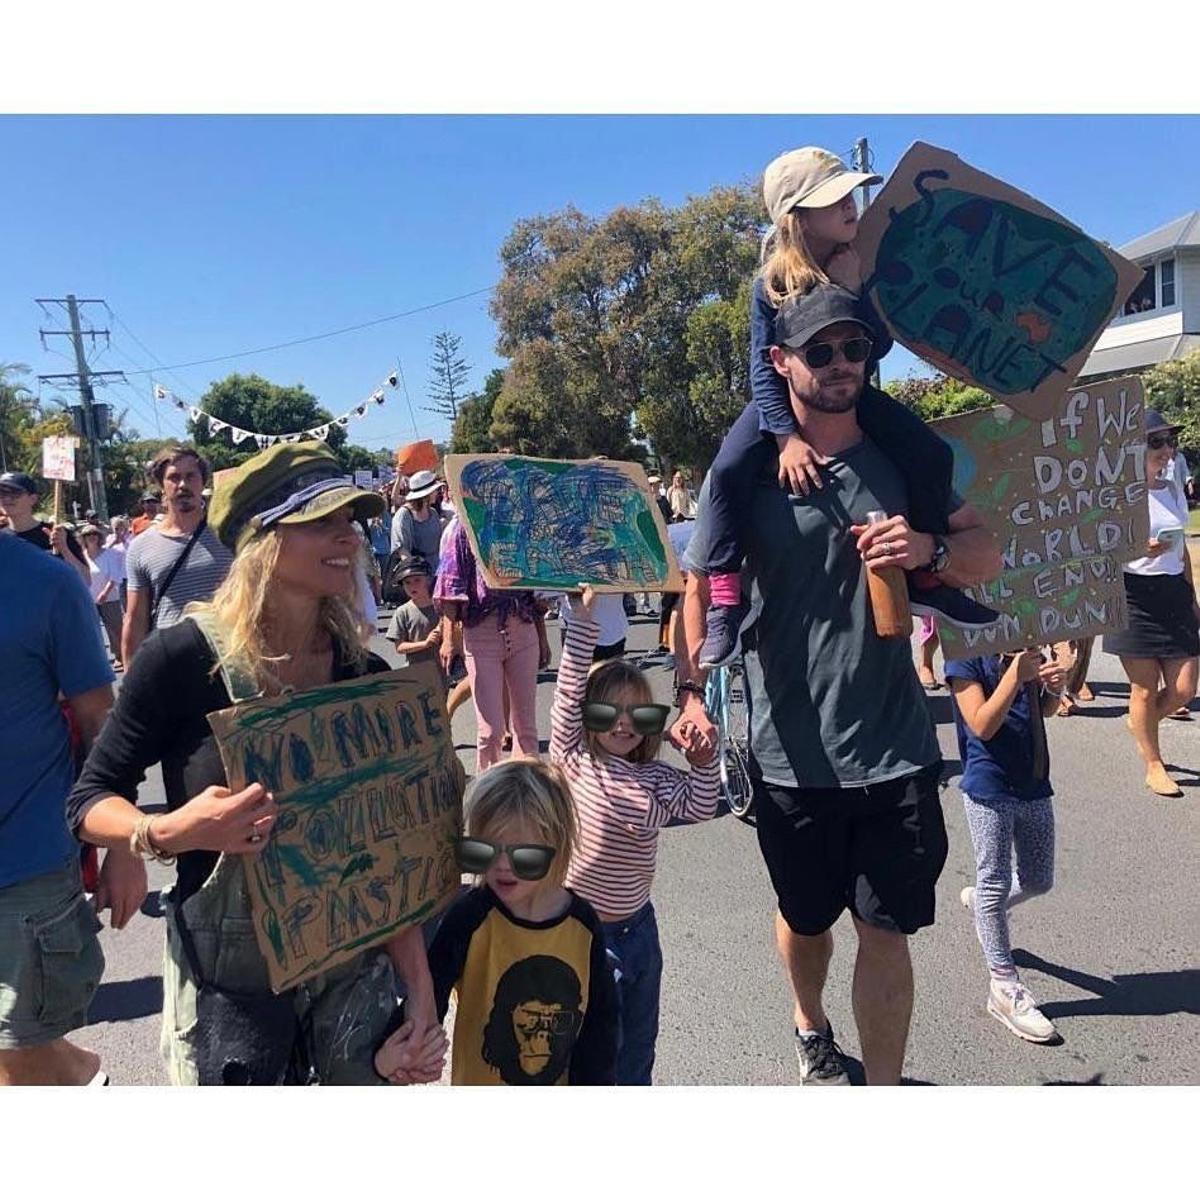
{"points": [[888, 592]]}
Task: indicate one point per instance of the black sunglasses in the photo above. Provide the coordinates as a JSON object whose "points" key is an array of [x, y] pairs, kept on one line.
{"points": [[646, 719], [1156, 441], [820, 354], [528, 862]]}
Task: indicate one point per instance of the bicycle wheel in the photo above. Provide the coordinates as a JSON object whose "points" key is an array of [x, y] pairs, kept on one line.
{"points": [[733, 724]]}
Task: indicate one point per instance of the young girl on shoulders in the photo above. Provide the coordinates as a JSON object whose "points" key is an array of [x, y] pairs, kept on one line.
{"points": [[809, 196], [605, 734], [525, 955]]}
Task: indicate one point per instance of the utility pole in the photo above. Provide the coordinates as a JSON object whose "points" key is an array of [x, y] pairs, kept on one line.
{"points": [[82, 379], [862, 163]]}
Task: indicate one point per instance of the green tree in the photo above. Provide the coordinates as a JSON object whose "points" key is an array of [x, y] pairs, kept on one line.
{"points": [[448, 376], [1173, 388], [18, 414], [932, 397], [633, 323], [472, 428]]}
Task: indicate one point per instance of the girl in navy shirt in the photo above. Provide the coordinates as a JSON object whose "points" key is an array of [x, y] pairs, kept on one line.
{"points": [[999, 705]]}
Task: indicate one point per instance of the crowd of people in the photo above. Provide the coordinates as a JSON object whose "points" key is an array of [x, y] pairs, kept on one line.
{"points": [[273, 582]]}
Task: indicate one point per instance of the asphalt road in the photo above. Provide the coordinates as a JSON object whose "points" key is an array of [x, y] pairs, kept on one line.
{"points": [[1110, 953]]}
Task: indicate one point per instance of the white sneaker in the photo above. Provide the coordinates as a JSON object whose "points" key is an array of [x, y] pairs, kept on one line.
{"points": [[967, 899], [1013, 1006]]}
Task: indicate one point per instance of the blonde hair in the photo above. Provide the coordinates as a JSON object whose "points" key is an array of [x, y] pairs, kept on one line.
{"points": [[788, 268], [608, 682], [241, 609], [527, 789]]}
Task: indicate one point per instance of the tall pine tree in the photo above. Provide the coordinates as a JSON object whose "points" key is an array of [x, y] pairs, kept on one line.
{"points": [[448, 376]]}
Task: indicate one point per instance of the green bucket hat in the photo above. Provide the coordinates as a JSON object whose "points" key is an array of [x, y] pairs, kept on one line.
{"points": [[286, 484]]}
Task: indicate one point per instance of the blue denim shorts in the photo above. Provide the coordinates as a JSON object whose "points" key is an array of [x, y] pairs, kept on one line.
{"points": [[50, 958]]}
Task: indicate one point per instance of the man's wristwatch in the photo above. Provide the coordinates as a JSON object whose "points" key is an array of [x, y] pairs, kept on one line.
{"points": [[941, 556]]}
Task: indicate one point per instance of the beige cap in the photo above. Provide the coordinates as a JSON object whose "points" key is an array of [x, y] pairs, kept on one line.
{"points": [[808, 178]]}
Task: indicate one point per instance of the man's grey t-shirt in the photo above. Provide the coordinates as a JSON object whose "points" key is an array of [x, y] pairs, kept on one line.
{"points": [[152, 554], [417, 537], [832, 704]]}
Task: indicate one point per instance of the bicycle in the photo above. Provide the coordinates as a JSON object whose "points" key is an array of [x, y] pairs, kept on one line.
{"points": [[726, 701]]}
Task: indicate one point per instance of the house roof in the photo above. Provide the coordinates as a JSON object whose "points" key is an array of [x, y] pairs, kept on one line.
{"points": [[1184, 231], [1139, 354]]}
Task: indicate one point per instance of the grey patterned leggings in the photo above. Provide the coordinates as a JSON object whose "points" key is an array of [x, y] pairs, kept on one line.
{"points": [[998, 828]]}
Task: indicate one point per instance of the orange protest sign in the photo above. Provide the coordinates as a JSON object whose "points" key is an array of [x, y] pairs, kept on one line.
{"points": [[417, 456]]}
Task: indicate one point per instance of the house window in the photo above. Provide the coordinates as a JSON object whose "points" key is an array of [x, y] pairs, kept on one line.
{"points": [[1142, 298], [1167, 276]]}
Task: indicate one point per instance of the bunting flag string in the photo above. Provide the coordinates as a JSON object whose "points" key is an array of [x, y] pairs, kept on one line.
{"points": [[239, 435]]}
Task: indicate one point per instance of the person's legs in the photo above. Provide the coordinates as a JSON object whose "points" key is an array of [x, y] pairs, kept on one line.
{"points": [[483, 649], [991, 829], [50, 966], [460, 693], [806, 959], [929, 644], [1179, 679], [883, 1001], [1144, 716], [1077, 684], [110, 618], [520, 666], [348, 1010], [1033, 846], [635, 951]]}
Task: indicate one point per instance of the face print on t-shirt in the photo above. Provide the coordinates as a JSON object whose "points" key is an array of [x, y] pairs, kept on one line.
{"points": [[534, 1021]]}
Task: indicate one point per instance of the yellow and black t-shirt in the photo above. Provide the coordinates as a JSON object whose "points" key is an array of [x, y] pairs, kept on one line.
{"points": [[536, 1000]]}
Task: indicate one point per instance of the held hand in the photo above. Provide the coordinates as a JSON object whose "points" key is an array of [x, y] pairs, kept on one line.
{"points": [[1052, 676], [845, 268], [693, 727], [446, 654], [544, 654], [893, 543], [799, 465], [699, 752], [434, 638], [122, 886], [58, 540], [1155, 547], [409, 1056], [1027, 664], [584, 601], [222, 821]]}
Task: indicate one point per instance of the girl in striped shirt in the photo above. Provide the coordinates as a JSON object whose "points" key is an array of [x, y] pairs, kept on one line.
{"points": [[606, 732]]}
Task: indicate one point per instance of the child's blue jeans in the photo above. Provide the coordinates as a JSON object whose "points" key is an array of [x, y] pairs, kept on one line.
{"points": [[636, 958]]}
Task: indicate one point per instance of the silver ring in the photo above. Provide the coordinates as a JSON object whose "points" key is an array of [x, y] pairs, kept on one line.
{"points": [[255, 837], [886, 547]]}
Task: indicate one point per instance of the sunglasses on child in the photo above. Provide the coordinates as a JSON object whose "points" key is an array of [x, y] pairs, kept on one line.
{"points": [[475, 856], [1156, 441], [820, 354], [646, 719]]}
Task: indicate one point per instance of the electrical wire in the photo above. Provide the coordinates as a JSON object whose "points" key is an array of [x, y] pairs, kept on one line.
{"points": [[317, 337]]}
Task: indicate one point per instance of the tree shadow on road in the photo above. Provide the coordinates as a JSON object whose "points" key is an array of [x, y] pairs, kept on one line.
{"points": [[1153, 994], [127, 1000]]}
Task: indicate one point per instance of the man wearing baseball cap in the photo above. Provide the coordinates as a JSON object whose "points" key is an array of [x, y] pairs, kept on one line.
{"points": [[844, 755], [18, 500]]}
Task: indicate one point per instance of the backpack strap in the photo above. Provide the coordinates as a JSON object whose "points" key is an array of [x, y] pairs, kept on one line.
{"points": [[239, 680]]}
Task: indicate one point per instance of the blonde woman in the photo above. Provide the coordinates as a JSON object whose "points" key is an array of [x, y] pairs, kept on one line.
{"points": [[282, 619]]}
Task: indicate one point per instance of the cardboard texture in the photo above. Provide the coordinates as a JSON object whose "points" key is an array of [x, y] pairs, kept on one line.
{"points": [[552, 525], [369, 790], [58, 458], [417, 456], [986, 283], [1066, 497]]}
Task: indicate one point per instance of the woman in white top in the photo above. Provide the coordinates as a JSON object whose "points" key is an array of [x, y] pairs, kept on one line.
{"points": [[1162, 642], [104, 568]]}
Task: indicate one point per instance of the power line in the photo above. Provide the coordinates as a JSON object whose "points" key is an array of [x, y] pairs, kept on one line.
{"points": [[317, 337]]}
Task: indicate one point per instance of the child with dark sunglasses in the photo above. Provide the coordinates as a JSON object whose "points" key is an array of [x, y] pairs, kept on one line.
{"points": [[605, 734], [525, 955], [809, 198]]}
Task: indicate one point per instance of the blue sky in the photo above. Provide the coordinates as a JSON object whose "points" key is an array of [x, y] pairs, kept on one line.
{"points": [[212, 235]]}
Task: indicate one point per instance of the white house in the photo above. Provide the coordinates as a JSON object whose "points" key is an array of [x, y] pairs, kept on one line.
{"points": [[1161, 320]]}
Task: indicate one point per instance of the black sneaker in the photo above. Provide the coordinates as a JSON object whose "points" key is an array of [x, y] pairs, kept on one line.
{"points": [[821, 1059], [950, 605], [721, 639]]}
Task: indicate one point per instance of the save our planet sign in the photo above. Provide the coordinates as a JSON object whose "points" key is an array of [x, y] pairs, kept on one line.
{"points": [[986, 283]]}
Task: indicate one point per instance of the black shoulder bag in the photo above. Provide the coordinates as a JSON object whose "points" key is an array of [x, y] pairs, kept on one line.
{"points": [[160, 594]]}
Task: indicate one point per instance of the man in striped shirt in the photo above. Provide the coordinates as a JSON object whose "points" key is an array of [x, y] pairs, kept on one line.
{"points": [[154, 578]]}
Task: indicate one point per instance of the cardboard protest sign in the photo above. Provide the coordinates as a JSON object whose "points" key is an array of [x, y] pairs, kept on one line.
{"points": [[369, 790], [551, 524], [1067, 499], [417, 456], [984, 282], [364, 479], [58, 458]]}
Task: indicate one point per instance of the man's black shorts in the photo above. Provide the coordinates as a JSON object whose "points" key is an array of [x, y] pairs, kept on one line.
{"points": [[877, 850]]}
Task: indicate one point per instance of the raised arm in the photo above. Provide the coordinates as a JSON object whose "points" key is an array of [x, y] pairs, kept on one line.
{"points": [[566, 714]]}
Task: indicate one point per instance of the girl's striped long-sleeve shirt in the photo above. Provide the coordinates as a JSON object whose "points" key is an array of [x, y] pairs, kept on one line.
{"points": [[620, 805]]}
